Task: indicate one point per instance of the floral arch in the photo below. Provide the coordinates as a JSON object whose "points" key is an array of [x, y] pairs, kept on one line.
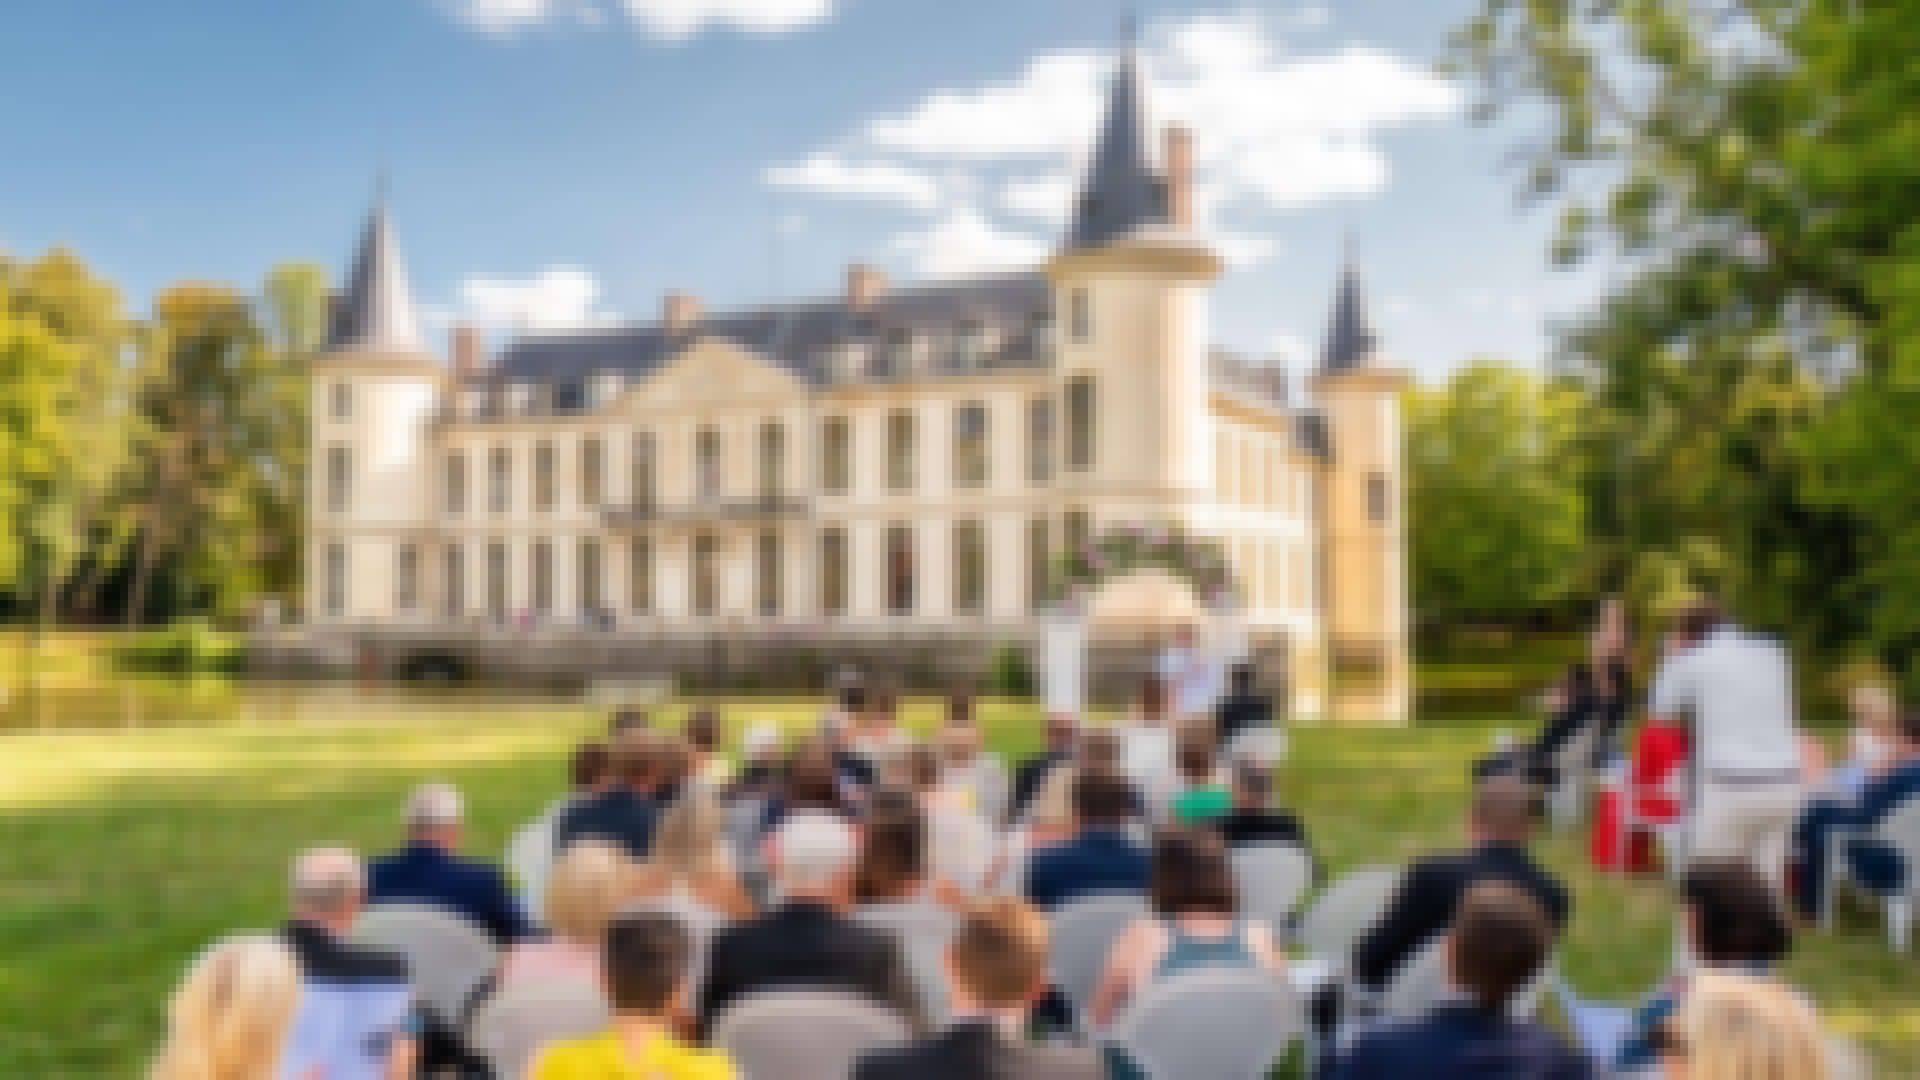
{"points": [[1201, 563]]}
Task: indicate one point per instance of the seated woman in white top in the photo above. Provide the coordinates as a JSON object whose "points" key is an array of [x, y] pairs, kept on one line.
{"points": [[1196, 924], [588, 887], [972, 770], [1147, 755]]}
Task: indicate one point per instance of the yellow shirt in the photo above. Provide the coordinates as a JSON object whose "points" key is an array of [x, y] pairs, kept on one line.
{"points": [[604, 1057]]}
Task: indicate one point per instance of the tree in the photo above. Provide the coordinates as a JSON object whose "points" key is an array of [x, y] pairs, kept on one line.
{"points": [[1501, 519], [1752, 166]]}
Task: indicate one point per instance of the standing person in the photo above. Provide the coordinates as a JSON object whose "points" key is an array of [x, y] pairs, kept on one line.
{"points": [[1189, 675], [1500, 940], [1244, 708], [1063, 730], [974, 770], [356, 1018], [431, 870], [996, 970], [229, 1019], [1738, 687], [646, 963]]}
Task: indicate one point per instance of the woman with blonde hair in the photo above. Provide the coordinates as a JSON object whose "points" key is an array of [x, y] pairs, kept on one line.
{"points": [[586, 889], [690, 869], [229, 1019], [1738, 1027]]}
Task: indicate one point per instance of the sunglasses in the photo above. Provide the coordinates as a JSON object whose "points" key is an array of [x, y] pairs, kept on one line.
{"points": [[1667, 1042]]}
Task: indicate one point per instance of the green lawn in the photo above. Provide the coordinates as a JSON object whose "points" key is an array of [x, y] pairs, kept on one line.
{"points": [[121, 853]]}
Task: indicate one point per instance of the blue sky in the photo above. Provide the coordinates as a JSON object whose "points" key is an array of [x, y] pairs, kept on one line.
{"points": [[559, 161]]}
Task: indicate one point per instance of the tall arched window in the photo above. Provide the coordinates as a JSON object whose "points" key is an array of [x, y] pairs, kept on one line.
{"points": [[900, 569], [1039, 565], [836, 456], [767, 576], [708, 482], [542, 577], [456, 482], [336, 575], [546, 482], [497, 584], [406, 578], [592, 590], [833, 571], [453, 585], [1081, 406], [970, 452], [592, 472], [646, 489], [969, 568], [339, 478], [902, 450], [706, 574], [1040, 442], [640, 575], [500, 480], [773, 460]]}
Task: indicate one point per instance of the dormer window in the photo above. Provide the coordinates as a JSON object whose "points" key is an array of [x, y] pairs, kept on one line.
{"points": [[970, 346], [894, 359]]}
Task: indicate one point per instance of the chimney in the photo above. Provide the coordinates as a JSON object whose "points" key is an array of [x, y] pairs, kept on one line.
{"points": [[1179, 163], [468, 351], [865, 284], [681, 312]]}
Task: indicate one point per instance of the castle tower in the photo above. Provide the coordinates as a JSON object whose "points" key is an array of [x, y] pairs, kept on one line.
{"points": [[375, 389], [1362, 510], [1131, 284]]}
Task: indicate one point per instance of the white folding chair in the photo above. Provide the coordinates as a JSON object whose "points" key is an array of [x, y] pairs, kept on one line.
{"points": [[448, 958], [1344, 913], [1272, 878], [1900, 831], [1846, 1060], [1264, 747], [510, 1028], [923, 931], [1084, 933], [804, 1034], [1573, 766], [1218, 1024]]}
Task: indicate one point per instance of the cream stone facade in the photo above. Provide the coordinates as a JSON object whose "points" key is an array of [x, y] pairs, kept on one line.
{"points": [[896, 463]]}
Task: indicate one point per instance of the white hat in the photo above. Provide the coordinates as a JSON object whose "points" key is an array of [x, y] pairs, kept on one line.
{"points": [[435, 804]]}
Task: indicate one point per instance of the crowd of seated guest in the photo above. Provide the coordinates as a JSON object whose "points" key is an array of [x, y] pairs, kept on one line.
{"points": [[911, 874]]}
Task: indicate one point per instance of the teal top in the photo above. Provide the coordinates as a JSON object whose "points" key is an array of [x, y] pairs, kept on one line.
{"points": [[1197, 805], [1188, 952]]}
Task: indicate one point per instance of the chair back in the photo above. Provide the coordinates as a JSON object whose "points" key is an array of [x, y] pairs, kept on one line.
{"points": [[1272, 878], [1900, 830], [1347, 910], [1084, 933], [923, 930], [804, 1034], [512, 1027], [1846, 1060], [448, 957], [1262, 746], [1216, 1024], [1419, 984]]}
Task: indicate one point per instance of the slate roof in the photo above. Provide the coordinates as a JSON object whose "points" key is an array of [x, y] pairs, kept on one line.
{"points": [[376, 312], [801, 336], [1121, 191], [1350, 340]]}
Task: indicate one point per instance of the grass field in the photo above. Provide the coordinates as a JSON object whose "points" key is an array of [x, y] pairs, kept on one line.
{"points": [[122, 853]]}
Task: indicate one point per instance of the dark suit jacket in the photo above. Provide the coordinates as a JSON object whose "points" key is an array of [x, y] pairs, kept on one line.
{"points": [[974, 1050], [1459, 1042], [621, 815], [1027, 780], [1423, 907], [466, 887], [1096, 861], [1238, 713], [805, 945]]}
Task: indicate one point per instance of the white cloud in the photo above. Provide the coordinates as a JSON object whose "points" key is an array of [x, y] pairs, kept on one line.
{"points": [[965, 241], [1274, 130], [826, 172], [672, 20], [556, 298]]}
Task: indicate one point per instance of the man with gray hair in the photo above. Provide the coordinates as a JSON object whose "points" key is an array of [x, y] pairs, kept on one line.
{"points": [[356, 1018], [808, 942], [431, 871]]}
